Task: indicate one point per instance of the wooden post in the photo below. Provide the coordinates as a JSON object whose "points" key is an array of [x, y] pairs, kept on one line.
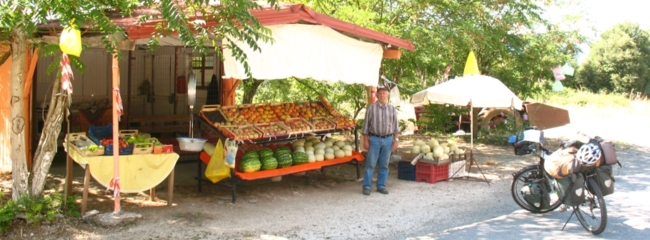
{"points": [[229, 87], [170, 188], [84, 195]]}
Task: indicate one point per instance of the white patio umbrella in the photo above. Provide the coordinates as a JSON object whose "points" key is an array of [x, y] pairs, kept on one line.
{"points": [[473, 91]]}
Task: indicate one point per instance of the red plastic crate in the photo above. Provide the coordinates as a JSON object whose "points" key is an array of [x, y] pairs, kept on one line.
{"points": [[425, 172]]}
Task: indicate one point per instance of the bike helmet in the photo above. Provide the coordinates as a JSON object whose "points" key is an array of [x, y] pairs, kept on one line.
{"points": [[589, 154]]}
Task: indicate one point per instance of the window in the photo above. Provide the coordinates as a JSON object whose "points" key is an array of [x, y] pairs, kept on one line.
{"points": [[203, 68]]}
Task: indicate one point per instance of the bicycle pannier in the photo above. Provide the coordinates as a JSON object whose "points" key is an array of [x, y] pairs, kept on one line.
{"points": [[533, 194], [605, 180], [562, 163], [609, 153], [571, 189]]}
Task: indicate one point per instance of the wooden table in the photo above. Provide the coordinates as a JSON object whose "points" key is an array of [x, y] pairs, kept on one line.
{"points": [[137, 172]]}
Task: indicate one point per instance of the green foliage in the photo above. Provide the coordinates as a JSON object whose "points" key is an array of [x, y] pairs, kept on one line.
{"points": [[498, 133], [580, 98], [443, 32], [439, 119], [619, 62], [348, 99], [37, 209]]}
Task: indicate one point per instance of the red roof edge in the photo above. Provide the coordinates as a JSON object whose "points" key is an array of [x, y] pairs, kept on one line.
{"points": [[290, 15]]}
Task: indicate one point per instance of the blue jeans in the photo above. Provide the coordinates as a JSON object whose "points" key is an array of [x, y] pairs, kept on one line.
{"points": [[378, 154]]}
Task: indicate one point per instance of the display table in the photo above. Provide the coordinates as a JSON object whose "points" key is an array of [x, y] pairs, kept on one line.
{"points": [[137, 172], [237, 176]]}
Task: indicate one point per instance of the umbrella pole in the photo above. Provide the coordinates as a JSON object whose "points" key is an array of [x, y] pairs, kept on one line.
{"points": [[471, 145]]}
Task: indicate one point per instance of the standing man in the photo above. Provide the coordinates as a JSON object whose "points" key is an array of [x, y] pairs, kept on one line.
{"points": [[380, 138]]}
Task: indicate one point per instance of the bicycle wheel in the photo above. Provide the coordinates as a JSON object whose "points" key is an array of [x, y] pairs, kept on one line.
{"points": [[526, 177], [593, 213]]}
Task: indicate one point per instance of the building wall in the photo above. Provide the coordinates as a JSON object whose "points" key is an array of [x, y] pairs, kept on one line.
{"points": [[5, 116], [160, 68]]}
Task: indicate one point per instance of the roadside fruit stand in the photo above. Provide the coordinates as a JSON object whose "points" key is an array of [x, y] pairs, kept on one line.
{"points": [[276, 139]]}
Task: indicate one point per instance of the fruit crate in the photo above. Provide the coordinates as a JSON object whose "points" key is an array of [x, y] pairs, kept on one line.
{"points": [[96, 134], [142, 148], [343, 122], [80, 142], [126, 134], [458, 157], [405, 171], [435, 161], [213, 114], [159, 148], [425, 172], [457, 169], [298, 125], [322, 124], [241, 132], [326, 104], [273, 129]]}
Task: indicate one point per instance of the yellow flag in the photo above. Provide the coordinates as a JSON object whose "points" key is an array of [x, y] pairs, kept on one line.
{"points": [[471, 66]]}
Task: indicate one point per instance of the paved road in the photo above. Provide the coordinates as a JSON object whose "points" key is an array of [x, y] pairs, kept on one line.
{"points": [[628, 212]]}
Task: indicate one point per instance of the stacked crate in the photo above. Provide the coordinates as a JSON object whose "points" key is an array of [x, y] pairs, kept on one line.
{"points": [[430, 173]]}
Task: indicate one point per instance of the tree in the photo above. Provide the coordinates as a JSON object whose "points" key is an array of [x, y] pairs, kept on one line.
{"points": [[511, 39], [21, 19], [619, 62]]}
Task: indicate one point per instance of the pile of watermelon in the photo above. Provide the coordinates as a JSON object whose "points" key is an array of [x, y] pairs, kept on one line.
{"points": [[267, 159]]}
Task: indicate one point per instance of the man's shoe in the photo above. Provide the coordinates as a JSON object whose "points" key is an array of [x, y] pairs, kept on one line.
{"points": [[366, 191], [383, 190]]}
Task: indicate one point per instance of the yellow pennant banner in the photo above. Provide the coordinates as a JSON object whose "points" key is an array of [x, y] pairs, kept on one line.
{"points": [[471, 66]]}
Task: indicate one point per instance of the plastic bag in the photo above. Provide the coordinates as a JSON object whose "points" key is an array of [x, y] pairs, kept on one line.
{"points": [[70, 41], [217, 170], [231, 153]]}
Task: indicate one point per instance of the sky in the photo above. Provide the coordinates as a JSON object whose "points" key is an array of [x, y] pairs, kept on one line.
{"points": [[604, 14]]}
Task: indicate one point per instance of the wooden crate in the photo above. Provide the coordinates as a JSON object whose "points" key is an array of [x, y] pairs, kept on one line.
{"points": [[299, 121], [142, 148], [322, 124], [80, 142], [273, 129], [241, 132]]}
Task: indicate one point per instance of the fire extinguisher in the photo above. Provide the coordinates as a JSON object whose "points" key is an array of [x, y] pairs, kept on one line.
{"points": [[181, 85]]}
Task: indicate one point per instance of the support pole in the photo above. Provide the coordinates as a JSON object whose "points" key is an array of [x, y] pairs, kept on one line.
{"points": [[116, 144]]}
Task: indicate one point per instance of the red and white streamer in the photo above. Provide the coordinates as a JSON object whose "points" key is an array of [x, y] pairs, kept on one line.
{"points": [[118, 102], [66, 74], [115, 185]]}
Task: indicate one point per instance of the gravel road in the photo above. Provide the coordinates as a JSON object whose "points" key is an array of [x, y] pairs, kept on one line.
{"points": [[331, 206]]}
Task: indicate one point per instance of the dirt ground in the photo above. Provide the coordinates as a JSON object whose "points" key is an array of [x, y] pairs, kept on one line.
{"points": [[318, 205]]}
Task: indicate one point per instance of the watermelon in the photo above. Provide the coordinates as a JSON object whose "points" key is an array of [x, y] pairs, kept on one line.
{"points": [[264, 153], [279, 152], [251, 153], [250, 165], [299, 158], [282, 148], [284, 160], [269, 163]]}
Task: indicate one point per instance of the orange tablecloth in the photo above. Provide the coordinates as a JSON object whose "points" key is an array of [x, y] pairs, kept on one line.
{"points": [[290, 170]]}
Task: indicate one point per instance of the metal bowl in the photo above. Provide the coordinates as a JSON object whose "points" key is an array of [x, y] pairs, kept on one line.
{"points": [[191, 144]]}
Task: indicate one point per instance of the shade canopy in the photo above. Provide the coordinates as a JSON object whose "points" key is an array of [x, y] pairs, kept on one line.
{"points": [[479, 90], [308, 51]]}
